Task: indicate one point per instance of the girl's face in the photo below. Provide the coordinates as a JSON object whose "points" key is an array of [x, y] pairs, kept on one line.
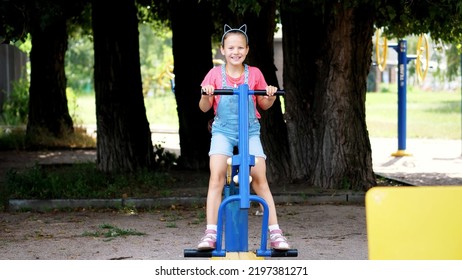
{"points": [[235, 48]]}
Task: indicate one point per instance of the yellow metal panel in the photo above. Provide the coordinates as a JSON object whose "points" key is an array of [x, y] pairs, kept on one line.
{"points": [[414, 223]]}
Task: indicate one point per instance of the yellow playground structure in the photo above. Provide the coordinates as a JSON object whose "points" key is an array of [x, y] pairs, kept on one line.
{"points": [[414, 223]]}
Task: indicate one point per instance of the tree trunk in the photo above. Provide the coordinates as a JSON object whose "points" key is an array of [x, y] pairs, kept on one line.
{"points": [[325, 103], [191, 46], [124, 138], [48, 111], [261, 30]]}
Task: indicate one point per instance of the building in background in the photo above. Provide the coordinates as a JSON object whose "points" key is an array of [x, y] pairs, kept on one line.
{"points": [[12, 68]]}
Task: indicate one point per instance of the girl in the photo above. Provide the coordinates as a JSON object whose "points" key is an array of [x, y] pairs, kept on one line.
{"points": [[234, 47]]}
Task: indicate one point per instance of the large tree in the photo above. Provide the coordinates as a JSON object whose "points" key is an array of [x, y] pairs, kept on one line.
{"points": [[191, 46], [124, 138], [325, 76], [326, 63], [47, 24]]}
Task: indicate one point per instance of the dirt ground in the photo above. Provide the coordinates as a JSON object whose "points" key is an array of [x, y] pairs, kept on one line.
{"points": [[319, 231], [316, 231]]}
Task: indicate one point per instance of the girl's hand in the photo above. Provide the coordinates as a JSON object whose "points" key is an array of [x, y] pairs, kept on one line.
{"points": [[208, 89], [266, 101], [271, 91], [206, 100]]}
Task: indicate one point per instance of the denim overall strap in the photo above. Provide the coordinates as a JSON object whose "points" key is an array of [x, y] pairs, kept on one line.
{"points": [[227, 118], [232, 100]]}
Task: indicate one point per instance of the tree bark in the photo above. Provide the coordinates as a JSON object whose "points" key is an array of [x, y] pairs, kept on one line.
{"points": [[274, 139], [326, 90], [48, 111], [124, 137], [191, 46]]}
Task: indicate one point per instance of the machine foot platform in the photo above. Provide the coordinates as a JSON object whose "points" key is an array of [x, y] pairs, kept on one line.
{"points": [[194, 253]]}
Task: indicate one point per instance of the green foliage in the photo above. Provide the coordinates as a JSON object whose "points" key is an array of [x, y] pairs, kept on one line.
{"points": [[79, 63], [242, 6], [16, 106], [453, 56], [72, 104], [156, 12], [156, 59], [25, 45], [440, 18], [12, 139]]}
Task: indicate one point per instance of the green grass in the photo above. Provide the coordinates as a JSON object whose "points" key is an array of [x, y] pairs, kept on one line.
{"points": [[432, 115], [82, 181], [160, 110], [109, 232]]}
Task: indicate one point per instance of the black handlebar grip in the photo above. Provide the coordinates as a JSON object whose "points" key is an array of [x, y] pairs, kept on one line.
{"points": [[263, 92]]}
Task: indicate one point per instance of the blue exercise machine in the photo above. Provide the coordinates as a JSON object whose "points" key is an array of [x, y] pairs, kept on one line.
{"points": [[403, 59], [237, 199]]}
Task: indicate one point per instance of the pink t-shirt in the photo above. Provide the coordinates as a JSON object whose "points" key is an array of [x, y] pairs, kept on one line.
{"points": [[256, 82]]}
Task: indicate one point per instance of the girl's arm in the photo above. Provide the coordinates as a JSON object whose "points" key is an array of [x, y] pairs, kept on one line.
{"points": [[206, 101], [266, 101]]}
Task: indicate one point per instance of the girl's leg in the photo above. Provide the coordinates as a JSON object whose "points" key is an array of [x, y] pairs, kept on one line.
{"points": [[216, 183], [218, 167], [261, 187]]}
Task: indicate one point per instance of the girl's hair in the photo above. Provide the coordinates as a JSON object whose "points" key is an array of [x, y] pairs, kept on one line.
{"points": [[227, 29]]}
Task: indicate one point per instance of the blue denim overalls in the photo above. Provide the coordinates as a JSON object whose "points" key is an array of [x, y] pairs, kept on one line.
{"points": [[226, 121]]}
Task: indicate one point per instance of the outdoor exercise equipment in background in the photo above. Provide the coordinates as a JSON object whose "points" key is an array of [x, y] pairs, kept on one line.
{"points": [[422, 62], [237, 198]]}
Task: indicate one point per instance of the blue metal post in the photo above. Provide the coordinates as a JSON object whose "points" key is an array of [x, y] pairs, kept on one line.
{"points": [[403, 60], [402, 94], [237, 212], [236, 237], [244, 170]]}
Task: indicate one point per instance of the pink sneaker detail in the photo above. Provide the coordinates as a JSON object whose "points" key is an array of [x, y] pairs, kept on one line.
{"points": [[208, 241], [278, 241]]}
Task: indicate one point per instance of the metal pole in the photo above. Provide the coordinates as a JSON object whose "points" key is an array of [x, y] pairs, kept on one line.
{"points": [[402, 94], [244, 170], [403, 59]]}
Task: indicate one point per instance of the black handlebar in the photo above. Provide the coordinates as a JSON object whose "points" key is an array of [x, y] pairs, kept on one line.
{"points": [[231, 92]]}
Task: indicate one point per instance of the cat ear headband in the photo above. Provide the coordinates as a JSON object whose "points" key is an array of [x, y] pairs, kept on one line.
{"points": [[242, 29]]}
